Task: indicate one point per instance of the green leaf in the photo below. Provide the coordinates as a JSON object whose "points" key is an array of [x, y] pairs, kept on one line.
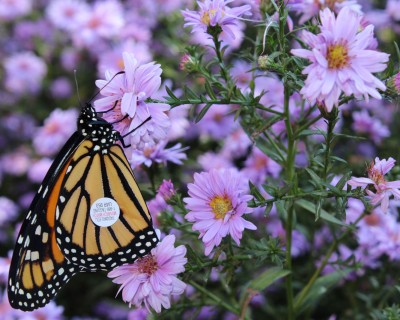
{"points": [[267, 278], [314, 176], [171, 94], [311, 207], [210, 91], [255, 192], [261, 282], [318, 289], [203, 112]]}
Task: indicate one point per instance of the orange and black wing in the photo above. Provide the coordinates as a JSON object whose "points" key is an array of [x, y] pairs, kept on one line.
{"points": [[95, 175], [38, 268]]}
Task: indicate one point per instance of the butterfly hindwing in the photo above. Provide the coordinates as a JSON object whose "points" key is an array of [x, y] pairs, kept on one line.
{"points": [[94, 175]]}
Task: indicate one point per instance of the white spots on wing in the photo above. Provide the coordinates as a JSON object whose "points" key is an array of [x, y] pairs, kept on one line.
{"points": [[69, 169], [142, 237], [34, 219], [58, 230], [142, 251], [103, 140], [96, 148], [20, 291], [109, 259], [62, 199], [148, 244], [40, 293], [67, 239], [38, 230], [20, 239], [34, 255], [57, 212], [27, 241], [40, 189], [150, 233], [45, 237], [139, 244], [45, 191], [29, 296], [28, 255], [60, 271]]}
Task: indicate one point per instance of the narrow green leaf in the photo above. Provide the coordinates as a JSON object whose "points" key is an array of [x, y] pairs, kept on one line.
{"points": [[255, 192], [319, 288], [171, 94], [203, 112], [311, 207], [210, 91], [268, 277]]}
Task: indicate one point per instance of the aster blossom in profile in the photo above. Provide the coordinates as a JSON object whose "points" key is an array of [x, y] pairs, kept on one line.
{"points": [[215, 14], [152, 279], [342, 60], [124, 99], [384, 189], [217, 202]]}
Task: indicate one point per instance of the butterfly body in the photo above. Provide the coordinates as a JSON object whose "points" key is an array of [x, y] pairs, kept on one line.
{"points": [[88, 215]]}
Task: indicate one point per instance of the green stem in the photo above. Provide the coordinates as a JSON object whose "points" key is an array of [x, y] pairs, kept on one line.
{"points": [[303, 293], [224, 73], [218, 301], [329, 138]]}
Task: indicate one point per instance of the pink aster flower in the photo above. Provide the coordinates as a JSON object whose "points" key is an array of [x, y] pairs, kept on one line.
{"points": [[215, 14], [38, 169], [8, 210], [58, 127], [384, 189], [24, 72], [371, 126], [10, 10], [166, 189], [103, 21], [341, 60], [126, 94], [310, 8], [217, 202], [65, 14], [158, 154], [152, 280]]}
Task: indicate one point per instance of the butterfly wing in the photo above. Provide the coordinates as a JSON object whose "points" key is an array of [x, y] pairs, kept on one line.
{"points": [[38, 268], [94, 175]]}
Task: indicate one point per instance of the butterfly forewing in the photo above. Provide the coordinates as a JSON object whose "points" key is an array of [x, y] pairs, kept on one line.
{"points": [[38, 268], [93, 175]]}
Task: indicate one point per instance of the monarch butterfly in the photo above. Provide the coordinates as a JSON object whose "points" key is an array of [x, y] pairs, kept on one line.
{"points": [[88, 215]]}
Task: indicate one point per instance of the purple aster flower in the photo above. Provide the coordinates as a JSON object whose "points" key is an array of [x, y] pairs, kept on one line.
{"points": [[138, 314], [166, 189], [128, 93], [5, 267], [61, 88], [57, 128], [8, 210], [159, 154], [97, 23], [10, 10], [371, 126], [38, 170], [152, 280], [258, 166], [215, 14], [112, 61], [66, 14], [217, 202], [211, 160], [24, 72], [341, 60], [384, 189], [16, 163], [310, 8], [218, 122], [236, 144]]}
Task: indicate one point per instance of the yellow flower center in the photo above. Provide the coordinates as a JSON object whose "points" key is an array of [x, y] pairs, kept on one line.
{"points": [[220, 206], [147, 264], [207, 15], [375, 174], [337, 56]]}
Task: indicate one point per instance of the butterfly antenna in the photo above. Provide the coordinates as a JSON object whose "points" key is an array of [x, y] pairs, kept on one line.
{"points": [[134, 129], [108, 82], [77, 89]]}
